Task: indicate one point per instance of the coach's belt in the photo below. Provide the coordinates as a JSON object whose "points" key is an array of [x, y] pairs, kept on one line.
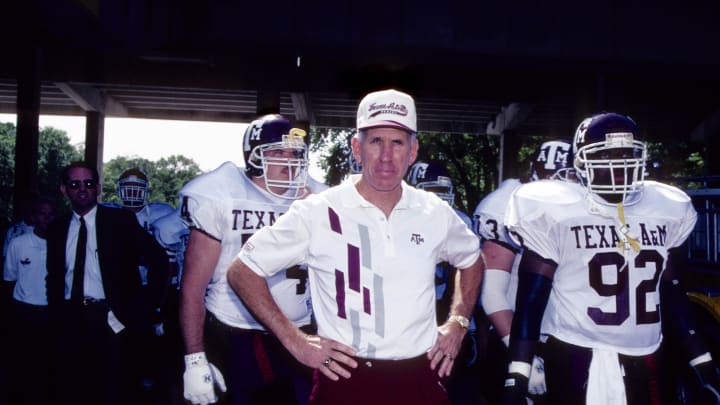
{"points": [[87, 301], [421, 360]]}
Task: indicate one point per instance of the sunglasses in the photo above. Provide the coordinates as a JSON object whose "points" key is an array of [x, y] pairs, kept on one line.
{"points": [[75, 184]]}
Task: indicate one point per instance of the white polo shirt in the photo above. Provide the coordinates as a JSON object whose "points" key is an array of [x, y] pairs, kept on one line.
{"points": [[25, 264], [371, 277]]}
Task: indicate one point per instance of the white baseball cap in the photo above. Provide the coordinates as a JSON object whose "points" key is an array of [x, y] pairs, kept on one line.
{"points": [[387, 108]]}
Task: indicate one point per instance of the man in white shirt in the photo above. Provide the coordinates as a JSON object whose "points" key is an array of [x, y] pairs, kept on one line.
{"points": [[371, 245], [25, 270]]}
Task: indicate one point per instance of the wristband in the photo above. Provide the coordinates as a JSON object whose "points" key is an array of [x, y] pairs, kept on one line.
{"points": [[195, 360], [703, 358], [520, 367]]}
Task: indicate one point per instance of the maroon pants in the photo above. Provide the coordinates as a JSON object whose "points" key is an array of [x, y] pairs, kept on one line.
{"points": [[378, 382]]}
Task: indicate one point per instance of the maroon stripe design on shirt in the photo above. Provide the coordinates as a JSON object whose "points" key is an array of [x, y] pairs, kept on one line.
{"points": [[340, 293], [334, 221], [353, 268], [366, 301]]}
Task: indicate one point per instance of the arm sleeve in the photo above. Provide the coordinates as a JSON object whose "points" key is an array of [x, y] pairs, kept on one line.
{"points": [[494, 291], [534, 286]]}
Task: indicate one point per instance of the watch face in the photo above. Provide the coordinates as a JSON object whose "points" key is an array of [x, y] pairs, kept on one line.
{"points": [[461, 320]]}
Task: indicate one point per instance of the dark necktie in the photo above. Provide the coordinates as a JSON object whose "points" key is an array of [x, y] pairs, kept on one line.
{"points": [[79, 270]]}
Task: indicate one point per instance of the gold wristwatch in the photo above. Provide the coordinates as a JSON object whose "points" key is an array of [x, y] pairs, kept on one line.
{"points": [[464, 322]]}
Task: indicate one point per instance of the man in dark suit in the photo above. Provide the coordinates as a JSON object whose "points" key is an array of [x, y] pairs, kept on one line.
{"points": [[99, 317]]}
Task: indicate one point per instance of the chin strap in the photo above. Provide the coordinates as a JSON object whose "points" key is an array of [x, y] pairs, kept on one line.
{"points": [[629, 238]]}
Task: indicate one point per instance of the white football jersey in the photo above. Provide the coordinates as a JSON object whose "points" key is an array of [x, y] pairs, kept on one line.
{"points": [[489, 224], [605, 293], [489, 215], [172, 233], [227, 206], [151, 213], [371, 276]]}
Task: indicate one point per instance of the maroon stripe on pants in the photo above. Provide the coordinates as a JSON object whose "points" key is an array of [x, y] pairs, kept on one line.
{"points": [[262, 359], [377, 382]]}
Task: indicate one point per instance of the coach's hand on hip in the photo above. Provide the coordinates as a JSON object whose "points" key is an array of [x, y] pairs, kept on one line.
{"points": [[330, 357], [450, 337]]}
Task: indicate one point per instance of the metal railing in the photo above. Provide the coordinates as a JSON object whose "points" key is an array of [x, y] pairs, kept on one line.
{"points": [[703, 244]]}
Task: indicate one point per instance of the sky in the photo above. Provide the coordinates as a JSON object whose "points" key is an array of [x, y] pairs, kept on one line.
{"points": [[209, 144]]}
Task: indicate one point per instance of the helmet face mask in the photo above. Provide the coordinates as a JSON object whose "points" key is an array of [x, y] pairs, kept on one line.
{"points": [[133, 188], [432, 177], [609, 159], [277, 153], [291, 158]]}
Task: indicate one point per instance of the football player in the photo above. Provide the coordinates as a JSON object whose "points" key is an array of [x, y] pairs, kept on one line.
{"points": [[434, 178], [133, 189], [552, 160], [172, 233], [223, 208], [599, 253]]}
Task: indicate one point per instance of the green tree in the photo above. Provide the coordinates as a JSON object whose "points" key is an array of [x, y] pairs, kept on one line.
{"points": [[7, 167], [471, 160], [676, 162], [166, 176], [333, 146], [54, 153], [170, 175]]}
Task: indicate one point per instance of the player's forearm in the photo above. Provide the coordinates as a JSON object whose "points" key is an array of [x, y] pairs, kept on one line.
{"points": [[467, 287], [255, 294], [192, 320]]}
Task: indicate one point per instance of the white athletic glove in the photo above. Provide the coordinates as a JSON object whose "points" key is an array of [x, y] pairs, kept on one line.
{"points": [[536, 383], [199, 379]]}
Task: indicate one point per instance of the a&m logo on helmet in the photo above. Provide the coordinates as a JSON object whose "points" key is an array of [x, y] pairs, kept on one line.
{"points": [[255, 132], [418, 172], [582, 130], [554, 154]]}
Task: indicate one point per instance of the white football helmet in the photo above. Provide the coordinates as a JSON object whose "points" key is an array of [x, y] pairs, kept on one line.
{"points": [[133, 188]]}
